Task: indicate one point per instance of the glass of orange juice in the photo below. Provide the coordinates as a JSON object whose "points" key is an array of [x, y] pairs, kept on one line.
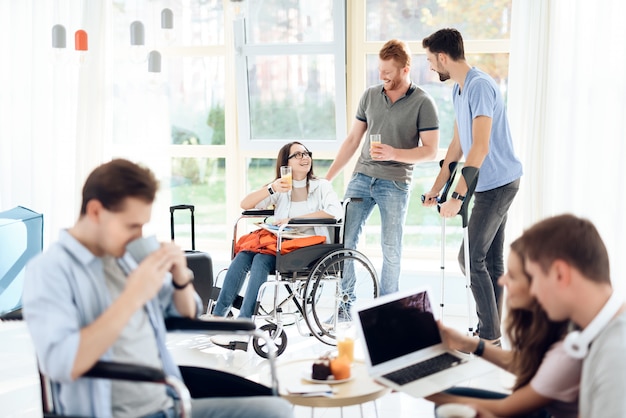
{"points": [[285, 173], [345, 342], [375, 141]]}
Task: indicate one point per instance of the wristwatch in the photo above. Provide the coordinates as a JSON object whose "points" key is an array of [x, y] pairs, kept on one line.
{"points": [[270, 190], [457, 196], [182, 286]]}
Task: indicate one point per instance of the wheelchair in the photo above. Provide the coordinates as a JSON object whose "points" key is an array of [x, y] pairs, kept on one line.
{"points": [[313, 278]]}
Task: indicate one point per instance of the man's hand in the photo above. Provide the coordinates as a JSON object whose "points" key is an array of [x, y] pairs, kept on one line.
{"points": [[430, 198], [147, 279], [179, 270], [450, 208], [382, 152]]}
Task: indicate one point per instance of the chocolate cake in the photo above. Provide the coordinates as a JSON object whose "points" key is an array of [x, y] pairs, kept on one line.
{"points": [[321, 369]]}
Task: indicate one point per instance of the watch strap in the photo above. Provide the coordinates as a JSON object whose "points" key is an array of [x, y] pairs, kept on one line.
{"points": [[182, 286], [457, 196], [270, 189]]}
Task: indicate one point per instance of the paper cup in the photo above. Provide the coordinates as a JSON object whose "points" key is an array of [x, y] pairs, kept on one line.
{"points": [[455, 410]]}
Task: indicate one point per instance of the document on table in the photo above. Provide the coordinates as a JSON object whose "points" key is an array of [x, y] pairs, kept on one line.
{"points": [[311, 390]]}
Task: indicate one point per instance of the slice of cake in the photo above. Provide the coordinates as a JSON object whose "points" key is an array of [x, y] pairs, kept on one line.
{"points": [[321, 369]]}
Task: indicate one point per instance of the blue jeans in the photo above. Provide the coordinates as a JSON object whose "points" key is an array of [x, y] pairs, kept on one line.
{"points": [[259, 266], [392, 198], [486, 248]]}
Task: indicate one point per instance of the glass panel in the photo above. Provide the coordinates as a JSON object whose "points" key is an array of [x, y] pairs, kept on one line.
{"points": [[413, 20], [190, 112], [196, 22], [292, 97], [197, 101], [289, 21], [496, 65], [201, 182]]}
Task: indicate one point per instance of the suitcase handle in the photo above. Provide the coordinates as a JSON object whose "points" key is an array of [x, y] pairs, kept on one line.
{"points": [[193, 227]]}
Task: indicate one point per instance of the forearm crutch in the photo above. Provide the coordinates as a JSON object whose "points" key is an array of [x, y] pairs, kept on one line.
{"points": [[470, 175], [443, 196]]}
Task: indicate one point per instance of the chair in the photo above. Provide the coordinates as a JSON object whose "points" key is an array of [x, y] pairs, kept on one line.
{"points": [[194, 384], [313, 279]]}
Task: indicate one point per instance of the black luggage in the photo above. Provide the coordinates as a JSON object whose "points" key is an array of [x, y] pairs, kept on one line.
{"points": [[199, 262]]}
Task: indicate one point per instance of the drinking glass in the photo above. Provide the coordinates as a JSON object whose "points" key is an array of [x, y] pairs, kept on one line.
{"points": [[285, 173]]}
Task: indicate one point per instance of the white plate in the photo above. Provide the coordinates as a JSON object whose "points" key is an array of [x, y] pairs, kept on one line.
{"points": [[306, 375]]}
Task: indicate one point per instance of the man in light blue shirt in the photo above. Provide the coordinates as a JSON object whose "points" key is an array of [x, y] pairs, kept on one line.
{"points": [[85, 300], [482, 135]]}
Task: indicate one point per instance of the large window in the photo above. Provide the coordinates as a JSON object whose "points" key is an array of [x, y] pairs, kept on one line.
{"points": [[290, 66], [233, 90], [175, 121]]}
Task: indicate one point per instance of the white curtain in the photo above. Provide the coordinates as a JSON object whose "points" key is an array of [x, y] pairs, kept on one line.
{"points": [[53, 111], [567, 106]]}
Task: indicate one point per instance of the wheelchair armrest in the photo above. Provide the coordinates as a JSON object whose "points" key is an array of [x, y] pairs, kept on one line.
{"points": [[135, 373], [216, 325], [125, 371], [307, 221], [258, 212]]}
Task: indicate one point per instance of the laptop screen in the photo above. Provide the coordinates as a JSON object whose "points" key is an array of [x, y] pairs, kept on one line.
{"points": [[399, 327]]}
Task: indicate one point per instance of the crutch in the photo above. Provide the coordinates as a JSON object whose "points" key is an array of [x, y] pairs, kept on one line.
{"points": [[470, 175], [440, 200]]}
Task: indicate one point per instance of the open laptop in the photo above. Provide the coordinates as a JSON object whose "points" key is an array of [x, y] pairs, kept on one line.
{"points": [[403, 347]]}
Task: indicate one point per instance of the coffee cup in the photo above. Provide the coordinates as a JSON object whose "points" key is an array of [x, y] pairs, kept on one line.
{"points": [[142, 247], [455, 410]]}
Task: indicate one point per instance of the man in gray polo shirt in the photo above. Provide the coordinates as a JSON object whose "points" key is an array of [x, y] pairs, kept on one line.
{"points": [[405, 116]]}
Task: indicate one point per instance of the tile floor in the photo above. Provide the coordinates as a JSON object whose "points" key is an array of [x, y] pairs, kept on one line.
{"points": [[19, 392]]}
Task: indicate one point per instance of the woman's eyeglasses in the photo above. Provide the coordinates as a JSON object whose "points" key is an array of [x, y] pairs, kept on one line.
{"points": [[299, 155]]}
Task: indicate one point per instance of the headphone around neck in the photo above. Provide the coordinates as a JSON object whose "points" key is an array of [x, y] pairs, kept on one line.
{"points": [[576, 344]]}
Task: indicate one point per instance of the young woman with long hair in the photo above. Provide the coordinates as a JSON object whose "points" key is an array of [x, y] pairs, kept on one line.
{"points": [[547, 379], [305, 197]]}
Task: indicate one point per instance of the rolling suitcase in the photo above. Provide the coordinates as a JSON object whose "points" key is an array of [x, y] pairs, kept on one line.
{"points": [[199, 262]]}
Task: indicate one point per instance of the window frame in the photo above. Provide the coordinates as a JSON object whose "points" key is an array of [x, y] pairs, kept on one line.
{"points": [[244, 50]]}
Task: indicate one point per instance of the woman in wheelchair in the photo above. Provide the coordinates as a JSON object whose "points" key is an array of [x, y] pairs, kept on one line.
{"points": [[308, 196]]}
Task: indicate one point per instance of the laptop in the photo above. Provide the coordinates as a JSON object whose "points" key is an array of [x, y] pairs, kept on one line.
{"points": [[403, 347]]}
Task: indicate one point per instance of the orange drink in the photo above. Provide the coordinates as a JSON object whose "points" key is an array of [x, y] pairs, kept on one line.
{"points": [[285, 174], [345, 348]]}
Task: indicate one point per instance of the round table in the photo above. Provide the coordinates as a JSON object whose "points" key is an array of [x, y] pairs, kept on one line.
{"points": [[358, 390]]}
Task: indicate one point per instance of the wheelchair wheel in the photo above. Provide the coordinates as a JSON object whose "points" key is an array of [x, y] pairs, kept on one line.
{"points": [[260, 346], [335, 283]]}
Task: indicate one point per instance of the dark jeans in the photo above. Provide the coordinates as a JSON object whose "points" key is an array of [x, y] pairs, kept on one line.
{"points": [[486, 248]]}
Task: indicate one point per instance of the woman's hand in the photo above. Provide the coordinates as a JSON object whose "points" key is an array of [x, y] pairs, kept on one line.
{"points": [[454, 340], [281, 185], [283, 221]]}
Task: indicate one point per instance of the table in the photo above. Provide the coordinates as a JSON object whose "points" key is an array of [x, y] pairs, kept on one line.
{"points": [[357, 391]]}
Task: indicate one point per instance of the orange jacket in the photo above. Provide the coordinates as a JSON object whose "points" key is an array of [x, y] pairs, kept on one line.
{"points": [[263, 241]]}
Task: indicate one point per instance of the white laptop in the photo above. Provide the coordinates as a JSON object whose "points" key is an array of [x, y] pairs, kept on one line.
{"points": [[399, 331]]}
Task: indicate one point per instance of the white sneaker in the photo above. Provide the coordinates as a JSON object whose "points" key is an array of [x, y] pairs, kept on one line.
{"points": [[231, 342]]}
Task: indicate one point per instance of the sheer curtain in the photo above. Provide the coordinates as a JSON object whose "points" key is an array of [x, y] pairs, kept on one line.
{"points": [[567, 105], [53, 112]]}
